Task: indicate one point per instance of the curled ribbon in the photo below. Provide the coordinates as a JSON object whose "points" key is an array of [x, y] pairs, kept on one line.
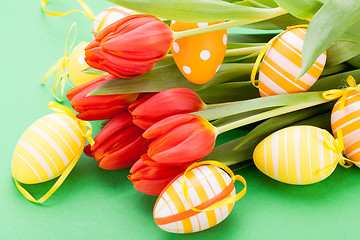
{"points": [[341, 93], [263, 51], [59, 69], [87, 11], [218, 204]]}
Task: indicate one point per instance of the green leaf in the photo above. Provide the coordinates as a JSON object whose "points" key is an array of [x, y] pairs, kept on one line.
{"points": [[328, 24], [91, 70], [287, 20], [200, 10], [331, 70], [320, 120], [304, 9], [169, 76], [355, 61], [335, 81], [249, 38], [341, 51]]}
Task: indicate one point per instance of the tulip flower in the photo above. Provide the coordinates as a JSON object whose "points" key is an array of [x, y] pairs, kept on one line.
{"points": [[179, 140], [130, 47], [149, 110], [119, 144], [152, 180], [98, 107]]}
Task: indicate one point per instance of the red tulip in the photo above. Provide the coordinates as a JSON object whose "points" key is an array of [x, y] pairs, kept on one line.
{"points": [[130, 47], [152, 180], [119, 144], [147, 111], [101, 106], [179, 140]]}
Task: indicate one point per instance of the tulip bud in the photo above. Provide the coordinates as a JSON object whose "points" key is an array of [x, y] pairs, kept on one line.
{"points": [[179, 140], [130, 47], [101, 106], [147, 111], [150, 179], [119, 144]]}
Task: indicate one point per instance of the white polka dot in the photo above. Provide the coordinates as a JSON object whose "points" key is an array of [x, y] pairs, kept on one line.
{"points": [[176, 47], [205, 24], [82, 59], [217, 69], [205, 55], [186, 69], [173, 21], [225, 39]]}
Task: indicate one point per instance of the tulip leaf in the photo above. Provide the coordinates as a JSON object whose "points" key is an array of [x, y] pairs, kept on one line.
{"points": [[335, 81], [331, 70], [169, 76], [341, 51], [200, 10], [355, 61], [304, 9], [329, 23]]}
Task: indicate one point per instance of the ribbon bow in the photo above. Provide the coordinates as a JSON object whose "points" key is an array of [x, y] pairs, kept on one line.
{"points": [[87, 11], [343, 93], [59, 69]]}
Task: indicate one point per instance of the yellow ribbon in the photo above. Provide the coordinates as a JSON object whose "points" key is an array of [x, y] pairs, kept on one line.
{"points": [[263, 51], [341, 93], [85, 132], [87, 11], [221, 203], [59, 69]]}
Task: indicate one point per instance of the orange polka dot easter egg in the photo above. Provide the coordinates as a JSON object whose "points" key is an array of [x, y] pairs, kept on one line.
{"points": [[199, 57], [282, 63], [209, 189], [77, 64], [109, 16], [348, 121]]}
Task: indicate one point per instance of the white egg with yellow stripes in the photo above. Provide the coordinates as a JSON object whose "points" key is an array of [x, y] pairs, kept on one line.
{"points": [[282, 63], [206, 199], [298, 155], [49, 147]]}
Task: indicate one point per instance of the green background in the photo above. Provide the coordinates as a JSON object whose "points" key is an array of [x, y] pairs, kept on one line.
{"points": [[98, 204]]}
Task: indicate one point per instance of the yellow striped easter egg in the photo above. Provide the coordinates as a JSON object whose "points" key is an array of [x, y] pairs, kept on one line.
{"points": [[109, 16], [282, 63], [46, 148], [206, 185], [348, 120], [297, 155]]}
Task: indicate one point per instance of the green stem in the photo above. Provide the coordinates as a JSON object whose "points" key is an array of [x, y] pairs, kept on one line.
{"points": [[267, 114], [224, 25], [215, 105]]}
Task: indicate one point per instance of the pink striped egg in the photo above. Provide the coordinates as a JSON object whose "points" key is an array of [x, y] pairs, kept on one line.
{"points": [[348, 120], [206, 185], [46, 148], [282, 63]]}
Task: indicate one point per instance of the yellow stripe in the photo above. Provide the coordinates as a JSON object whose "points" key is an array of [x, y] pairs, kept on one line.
{"points": [[291, 156], [283, 176], [269, 162], [304, 156]]}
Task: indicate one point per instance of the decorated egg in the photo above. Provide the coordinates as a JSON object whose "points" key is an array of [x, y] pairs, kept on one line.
{"points": [[348, 121], [206, 185], [199, 57], [77, 64], [282, 63], [49, 147], [297, 155], [109, 16]]}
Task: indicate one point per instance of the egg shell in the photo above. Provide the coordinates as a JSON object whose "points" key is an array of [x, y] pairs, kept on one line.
{"points": [[77, 64], [348, 120], [172, 212], [109, 16], [46, 148], [282, 64], [199, 57], [295, 155]]}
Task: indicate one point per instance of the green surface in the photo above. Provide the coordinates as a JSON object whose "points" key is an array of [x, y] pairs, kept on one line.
{"points": [[98, 204]]}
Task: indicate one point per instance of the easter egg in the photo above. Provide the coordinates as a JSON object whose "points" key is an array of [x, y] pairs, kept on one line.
{"points": [[297, 155], [46, 148], [348, 120], [206, 185], [199, 57], [282, 64], [109, 16], [77, 64]]}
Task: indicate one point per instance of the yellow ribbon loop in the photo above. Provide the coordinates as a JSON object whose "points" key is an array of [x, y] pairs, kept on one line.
{"points": [[341, 93], [224, 202], [264, 50], [86, 132], [59, 69], [87, 11]]}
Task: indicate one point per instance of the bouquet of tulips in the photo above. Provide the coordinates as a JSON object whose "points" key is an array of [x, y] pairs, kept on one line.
{"points": [[177, 75]]}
